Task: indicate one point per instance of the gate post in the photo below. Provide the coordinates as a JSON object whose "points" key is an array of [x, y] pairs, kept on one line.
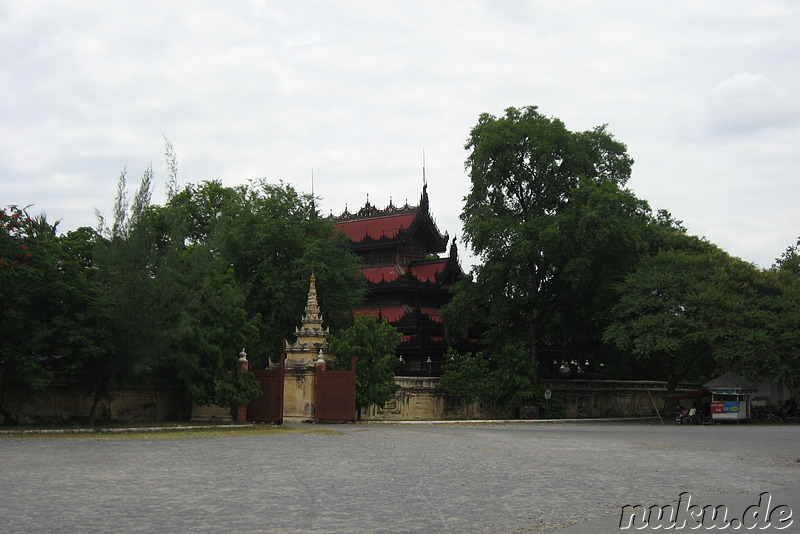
{"points": [[303, 362], [240, 413], [319, 368]]}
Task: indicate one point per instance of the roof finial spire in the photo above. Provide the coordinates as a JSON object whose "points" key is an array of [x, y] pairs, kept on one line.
{"points": [[313, 199], [424, 180]]}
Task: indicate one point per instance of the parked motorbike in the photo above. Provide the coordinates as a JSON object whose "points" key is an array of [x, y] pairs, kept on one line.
{"points": [[788, 413], [766, 414], [792, 417], [684, 416]]}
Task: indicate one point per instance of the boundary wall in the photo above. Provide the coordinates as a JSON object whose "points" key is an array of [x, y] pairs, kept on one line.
{"points": [[417, 399]]}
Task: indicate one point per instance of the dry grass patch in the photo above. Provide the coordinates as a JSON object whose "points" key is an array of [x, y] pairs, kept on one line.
{"points": [[177, 432]]}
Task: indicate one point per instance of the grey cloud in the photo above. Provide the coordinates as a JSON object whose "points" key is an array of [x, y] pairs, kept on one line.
{"points": [[747, 103]]}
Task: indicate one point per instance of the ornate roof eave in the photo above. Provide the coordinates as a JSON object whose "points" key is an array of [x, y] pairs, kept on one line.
{"points": [[420, 341], [383, 241], [417, 318], [438, 241], [452, 268], [404, 281], [422, 220], [371, 212]]}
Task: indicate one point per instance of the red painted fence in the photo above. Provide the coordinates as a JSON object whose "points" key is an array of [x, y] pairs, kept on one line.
{"points": [[268, 408], [336, 395]]}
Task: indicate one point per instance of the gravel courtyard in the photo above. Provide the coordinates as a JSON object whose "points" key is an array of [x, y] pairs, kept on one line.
{"points": [[391, 478]]}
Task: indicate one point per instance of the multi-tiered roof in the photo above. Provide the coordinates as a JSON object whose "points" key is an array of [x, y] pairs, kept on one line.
{"points": [[407, 280]]}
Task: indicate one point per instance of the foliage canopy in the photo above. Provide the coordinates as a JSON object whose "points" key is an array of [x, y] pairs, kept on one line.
{"points": [[166, 294], [373, 344]]}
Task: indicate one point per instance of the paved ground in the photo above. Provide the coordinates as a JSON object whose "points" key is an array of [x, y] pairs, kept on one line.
{"points": [[379, 478]]}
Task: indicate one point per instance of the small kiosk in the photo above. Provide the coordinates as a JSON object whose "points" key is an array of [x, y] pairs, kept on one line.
{"points": [[730, 397]]}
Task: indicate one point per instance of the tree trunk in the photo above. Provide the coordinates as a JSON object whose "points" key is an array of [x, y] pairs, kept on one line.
{"points": [[533, 328], [93, 410], [184, 405], [793, 389], [2, 403]]}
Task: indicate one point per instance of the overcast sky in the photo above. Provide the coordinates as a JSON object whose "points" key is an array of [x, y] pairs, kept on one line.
{"points": [[704, 94]]}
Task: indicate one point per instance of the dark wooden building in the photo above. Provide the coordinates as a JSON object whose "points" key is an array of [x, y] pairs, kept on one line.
{"points": [[406, 279]]}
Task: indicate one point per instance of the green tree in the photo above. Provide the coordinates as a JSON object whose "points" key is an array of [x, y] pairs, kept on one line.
{"points": [[467, 377], [373, 344], [140, 307], [532, 179], [554, 230], [504, 379], [782, 299], [88, 339], [188, 284], [591, 244], [789, 262], [695, 311], [660, 315], [45, 301], [768, 330], [28, 273], [175, 313], [272, 236], [200, 207], [202, 354]]}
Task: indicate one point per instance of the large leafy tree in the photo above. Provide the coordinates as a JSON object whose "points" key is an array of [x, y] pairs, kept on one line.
{"points": [[46, 312], [174, 310], [783, 356], [141, 306], [693, 311], [553, 227], [504, 379], [789, 262], [770, 331], [29, 271], [274, 238], [661, 314], [211, 324], [373, 344], [90, 337], [200, 207], [188, 284]]}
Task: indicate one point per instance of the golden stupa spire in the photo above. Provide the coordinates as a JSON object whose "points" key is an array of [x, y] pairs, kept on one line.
{"points": [[310, 336]]}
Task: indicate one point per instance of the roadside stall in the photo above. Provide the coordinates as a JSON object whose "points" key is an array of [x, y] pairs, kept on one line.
{"points": [[730, 397]]}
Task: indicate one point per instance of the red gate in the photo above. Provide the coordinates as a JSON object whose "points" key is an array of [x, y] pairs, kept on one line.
{"points": [[268, 407], [336, 396]]}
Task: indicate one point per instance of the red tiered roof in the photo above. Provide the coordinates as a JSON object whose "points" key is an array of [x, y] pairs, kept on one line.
{"points": [[390, 313], [427, 272], [386, 273], [404, 286], [432, 313], [377, 227]]}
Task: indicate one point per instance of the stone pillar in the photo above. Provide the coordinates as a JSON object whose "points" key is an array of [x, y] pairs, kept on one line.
{"points": [[302, 357], [240, 412], [299, 385], [320, 365]]}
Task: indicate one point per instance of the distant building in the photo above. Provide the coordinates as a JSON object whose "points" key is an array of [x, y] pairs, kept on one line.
{"points": [[407, 281]]}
